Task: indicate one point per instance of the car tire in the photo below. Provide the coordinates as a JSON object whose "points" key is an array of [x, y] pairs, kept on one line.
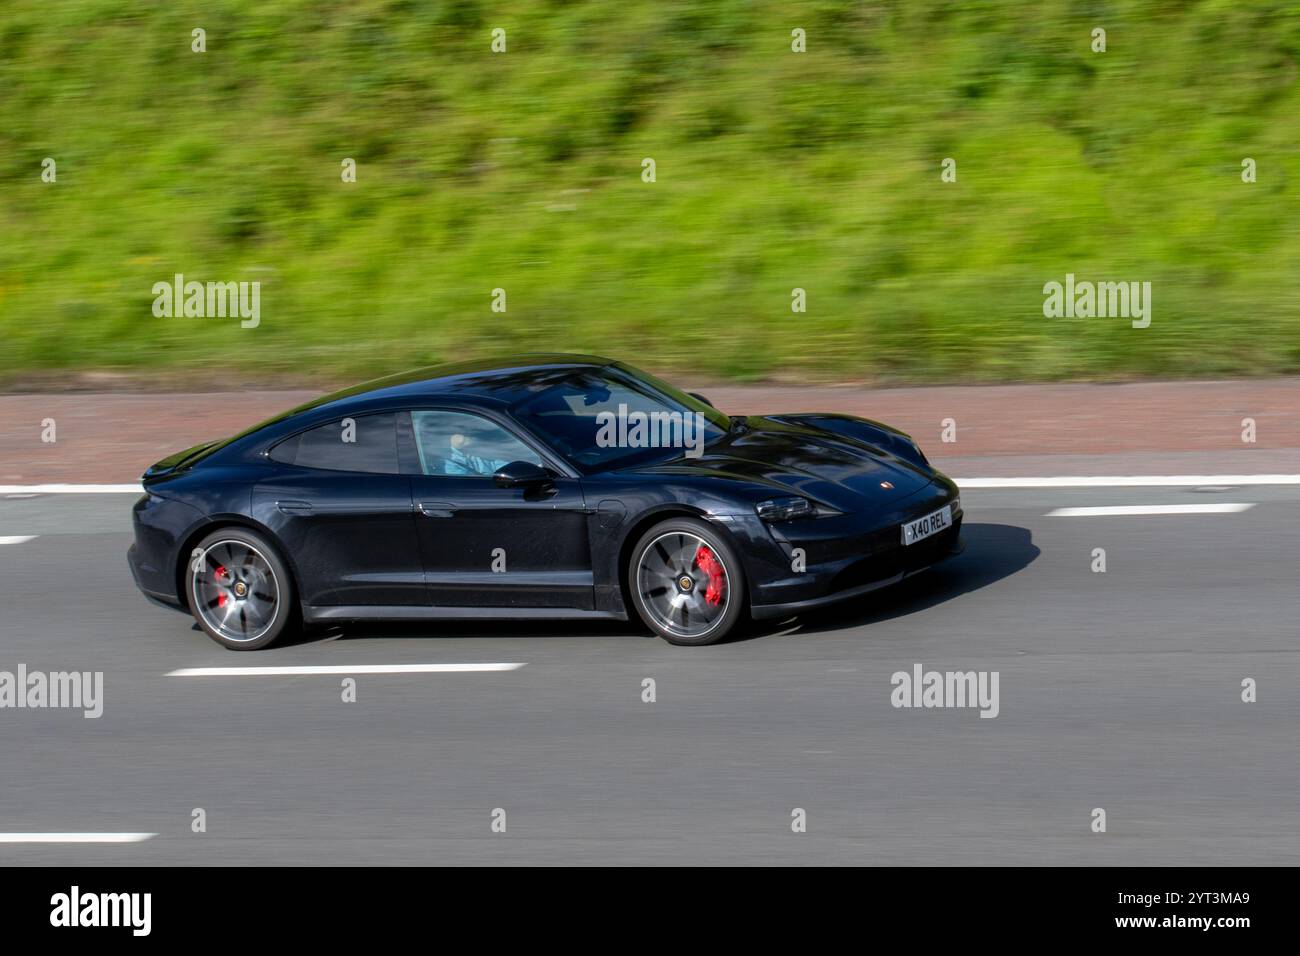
{"points": [[239, 589], [686, 582]]}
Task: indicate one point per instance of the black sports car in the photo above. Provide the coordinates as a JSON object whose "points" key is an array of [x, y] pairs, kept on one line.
{"points": [[556, 486]]}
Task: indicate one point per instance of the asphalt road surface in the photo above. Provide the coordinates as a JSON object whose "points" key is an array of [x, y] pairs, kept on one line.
{"points": [[1119, 690]]}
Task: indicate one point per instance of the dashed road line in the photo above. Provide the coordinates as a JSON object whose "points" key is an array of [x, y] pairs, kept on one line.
{"points": [[1110, 511], [342, 669], [75, 837], [16, 538]]}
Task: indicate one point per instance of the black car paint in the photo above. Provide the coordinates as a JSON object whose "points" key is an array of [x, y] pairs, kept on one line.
{"points": [[416, 546]]}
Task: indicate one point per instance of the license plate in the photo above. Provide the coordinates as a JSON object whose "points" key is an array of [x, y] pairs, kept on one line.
{"points": [[922, 528]]}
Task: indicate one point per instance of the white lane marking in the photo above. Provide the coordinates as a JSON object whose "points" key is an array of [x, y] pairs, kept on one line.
{"points": [[16, 538], [341, 669], [64, 489], [1128, 481], [1120, 510], [75, 837]]}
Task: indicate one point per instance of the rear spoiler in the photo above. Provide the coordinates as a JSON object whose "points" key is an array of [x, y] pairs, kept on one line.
{"points": [[174, 463]]}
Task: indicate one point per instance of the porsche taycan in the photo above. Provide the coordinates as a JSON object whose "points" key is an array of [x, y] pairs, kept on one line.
{"points": [[553, 486]]}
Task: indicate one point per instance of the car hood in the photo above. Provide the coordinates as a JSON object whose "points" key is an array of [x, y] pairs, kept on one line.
{"points": [[782, 456]]}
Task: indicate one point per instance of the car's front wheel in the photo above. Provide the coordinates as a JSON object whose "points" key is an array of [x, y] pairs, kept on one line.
{"points": [[686, 582], [239, 589]]}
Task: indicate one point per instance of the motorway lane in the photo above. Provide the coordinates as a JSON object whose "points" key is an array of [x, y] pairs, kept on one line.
{"points": [[1118, 690]]}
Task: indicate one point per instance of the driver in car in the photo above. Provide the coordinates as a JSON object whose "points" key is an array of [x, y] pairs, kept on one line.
{"points": [[458, 462]]}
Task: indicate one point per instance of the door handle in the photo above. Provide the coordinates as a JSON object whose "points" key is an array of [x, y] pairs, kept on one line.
{"points": [[294, 507], [436, 509]]}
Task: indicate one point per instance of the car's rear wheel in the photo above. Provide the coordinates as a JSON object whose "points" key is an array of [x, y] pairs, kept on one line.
{"points": [[239, 589], [686, 582]]}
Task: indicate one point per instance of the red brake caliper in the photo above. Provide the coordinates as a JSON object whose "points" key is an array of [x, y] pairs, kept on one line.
{"points": [[218, 575], [712, 568]]}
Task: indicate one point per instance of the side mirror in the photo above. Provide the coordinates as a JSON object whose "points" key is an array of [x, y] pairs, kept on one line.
{"points": [[521, 474], [697, 395]]}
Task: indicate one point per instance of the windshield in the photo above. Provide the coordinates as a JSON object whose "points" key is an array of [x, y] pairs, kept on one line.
{"points": [[615, 417]]}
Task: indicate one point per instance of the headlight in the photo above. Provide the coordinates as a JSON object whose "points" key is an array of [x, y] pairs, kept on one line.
{"points": [[782, 509]]}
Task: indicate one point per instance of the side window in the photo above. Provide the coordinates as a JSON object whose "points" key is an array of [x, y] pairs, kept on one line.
{"points": [[367, 443], [458, 443]]}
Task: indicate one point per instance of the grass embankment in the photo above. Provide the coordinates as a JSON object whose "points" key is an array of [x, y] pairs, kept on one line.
{"points": [[775, 170]]}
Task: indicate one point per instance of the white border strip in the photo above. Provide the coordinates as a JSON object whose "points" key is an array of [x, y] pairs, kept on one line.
{"points": [[1128, 481], [1111, 511], [342, 669], [75, 837], [134, 489], [1066, 481]]}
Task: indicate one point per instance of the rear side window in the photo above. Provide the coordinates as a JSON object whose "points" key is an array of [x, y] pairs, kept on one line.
{"points": [[367, 443]]}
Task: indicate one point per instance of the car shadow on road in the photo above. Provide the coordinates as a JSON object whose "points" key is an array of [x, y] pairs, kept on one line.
{"points": [[992, 552]]}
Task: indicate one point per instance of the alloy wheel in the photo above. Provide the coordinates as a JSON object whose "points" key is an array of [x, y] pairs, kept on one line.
{"points": [[235, 590], [684, 584]]}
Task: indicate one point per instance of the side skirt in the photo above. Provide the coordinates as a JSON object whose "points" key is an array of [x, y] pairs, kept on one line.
{"points": [[367, 612]]}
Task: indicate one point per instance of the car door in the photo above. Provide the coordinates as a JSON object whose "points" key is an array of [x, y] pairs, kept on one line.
{"points": [[489, 546], [343, 510]]}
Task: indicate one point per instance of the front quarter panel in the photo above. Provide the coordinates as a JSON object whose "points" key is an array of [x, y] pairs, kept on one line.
{"points": [[623, 505]]}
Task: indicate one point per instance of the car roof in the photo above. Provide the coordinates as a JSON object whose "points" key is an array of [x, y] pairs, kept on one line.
{"points": [[501, 379], [501, 383]]}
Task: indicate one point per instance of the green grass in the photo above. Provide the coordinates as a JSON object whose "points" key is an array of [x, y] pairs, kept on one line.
{"points": [[775, 170]]}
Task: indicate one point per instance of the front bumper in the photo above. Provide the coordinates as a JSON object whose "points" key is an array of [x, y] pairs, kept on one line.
{"points": [[847, 555], [874, 574]]}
